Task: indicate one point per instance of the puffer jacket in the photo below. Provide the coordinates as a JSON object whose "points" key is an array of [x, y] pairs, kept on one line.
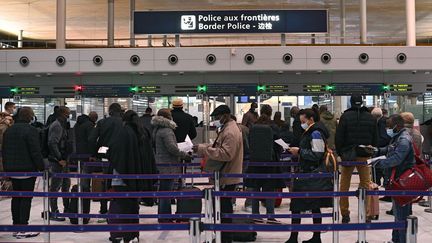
{"points": [[356, 127], [329, 121], [165, 145]]}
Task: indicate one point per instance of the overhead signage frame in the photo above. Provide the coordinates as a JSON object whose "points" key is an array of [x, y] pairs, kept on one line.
{"points": [[237, 21]]}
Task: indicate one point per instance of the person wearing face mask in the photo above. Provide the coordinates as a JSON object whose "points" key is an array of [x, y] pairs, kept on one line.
{"points": [[310, 152], [400, 155], [10, 108], [250, 117], [166, 151], [228, 150], [57, 157]]}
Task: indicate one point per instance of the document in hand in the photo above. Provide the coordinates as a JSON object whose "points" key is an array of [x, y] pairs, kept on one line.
{"points": [[373, 160], [185, 146], [102, 150], [282, 143]]}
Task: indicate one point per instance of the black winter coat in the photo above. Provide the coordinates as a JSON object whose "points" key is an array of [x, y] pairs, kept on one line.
{"points": [[106, 132], [297, 131], [21, 149], [311, 156], [356, 127], [133, 155], [146, 121], [383, 138], [263, 149], [185, 125], [83, 129]]}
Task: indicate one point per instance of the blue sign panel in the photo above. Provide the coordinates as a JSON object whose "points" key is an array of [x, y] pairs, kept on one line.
{"points": [[244, 21]]}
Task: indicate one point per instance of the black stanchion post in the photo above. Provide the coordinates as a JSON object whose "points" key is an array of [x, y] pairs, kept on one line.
{"points": [[195, 230], [336, 205], [412, 229], [362, 214], [80, 200], [46, 205], [217, 206]]}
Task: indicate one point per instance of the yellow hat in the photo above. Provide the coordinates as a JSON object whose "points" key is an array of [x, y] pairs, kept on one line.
{"points": [[177, 103]]}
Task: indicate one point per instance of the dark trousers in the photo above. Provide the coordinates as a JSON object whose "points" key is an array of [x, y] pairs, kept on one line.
{"points": [[21, 205], [164, 206], [86, 186], [57, 184], [123, 206], [227, 207]]}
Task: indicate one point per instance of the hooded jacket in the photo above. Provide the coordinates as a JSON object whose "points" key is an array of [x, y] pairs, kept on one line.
{"points": [[165, 145], [356, 127], [329, 121]]}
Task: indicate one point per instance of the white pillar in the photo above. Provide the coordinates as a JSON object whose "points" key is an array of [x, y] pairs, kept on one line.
{"points": [[20, 38], [411, 22], [363, 22], [342, 21], [110, 23], [132, 22], [61, 25]]}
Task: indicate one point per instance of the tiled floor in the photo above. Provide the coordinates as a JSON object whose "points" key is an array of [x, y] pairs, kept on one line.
{"points": [[424, 236]]}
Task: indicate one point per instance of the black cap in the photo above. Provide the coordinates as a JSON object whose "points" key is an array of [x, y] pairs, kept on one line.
{"points": [[221, 110], [356, 100]]}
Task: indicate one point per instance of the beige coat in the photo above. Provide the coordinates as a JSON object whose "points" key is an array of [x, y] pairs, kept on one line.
{"points": [[228, 148]]}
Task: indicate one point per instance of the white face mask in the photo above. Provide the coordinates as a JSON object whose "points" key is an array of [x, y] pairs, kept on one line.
{"points": [[217, 123], [304, 126]]}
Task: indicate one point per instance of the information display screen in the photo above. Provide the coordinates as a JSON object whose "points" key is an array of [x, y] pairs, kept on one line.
{"points": [[241, 21], [106, 91], [228, 89]]}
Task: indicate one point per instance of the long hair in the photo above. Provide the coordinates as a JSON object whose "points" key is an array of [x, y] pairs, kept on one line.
{"points": [[131, 119]]}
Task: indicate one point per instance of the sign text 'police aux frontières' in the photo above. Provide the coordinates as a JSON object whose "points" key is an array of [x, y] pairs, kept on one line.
{"points": [[248, 21]]}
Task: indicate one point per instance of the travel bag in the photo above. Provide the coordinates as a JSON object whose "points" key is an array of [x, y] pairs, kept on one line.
{"points": [[73, 206]]}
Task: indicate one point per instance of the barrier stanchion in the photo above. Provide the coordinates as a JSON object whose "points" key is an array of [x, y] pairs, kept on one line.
{"points": [[412, 229], [208, 213], [429, 203], [217, 214], [194, 230], [80, 199], [46, 206], [336, 205], [362, 214]]}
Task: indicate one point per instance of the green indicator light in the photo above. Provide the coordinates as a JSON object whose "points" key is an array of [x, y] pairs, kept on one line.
{"points": [[329, 87], [133, 89], [386, 87], [261, 88], [14, 90], [202, 88]]}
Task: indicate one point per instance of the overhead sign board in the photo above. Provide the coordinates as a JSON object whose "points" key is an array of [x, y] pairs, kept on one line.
{"points": [[238, 21], [106, 91]]}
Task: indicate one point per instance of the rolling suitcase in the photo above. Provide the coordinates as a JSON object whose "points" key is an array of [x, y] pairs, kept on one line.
{"points": [[373, 201], [188, 205], [73, 206]]}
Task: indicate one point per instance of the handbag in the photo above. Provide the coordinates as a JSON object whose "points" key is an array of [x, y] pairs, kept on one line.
{"points": [[328, 164], [417, 178]]}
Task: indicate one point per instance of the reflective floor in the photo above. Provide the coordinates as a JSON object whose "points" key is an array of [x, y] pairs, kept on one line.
{"points": [[425, 229]]}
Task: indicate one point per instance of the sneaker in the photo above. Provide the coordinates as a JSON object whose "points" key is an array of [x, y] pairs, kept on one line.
{"points": [[386, 199], [14, 234], [346, 219], [390, 212], [273, 221], [23, 235], [58, 219], [101, 221]]}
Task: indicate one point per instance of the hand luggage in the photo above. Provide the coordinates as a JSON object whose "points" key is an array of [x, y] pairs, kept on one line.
{"points": [[244, 236], [278, 201], [73, 207], [188, 205]]}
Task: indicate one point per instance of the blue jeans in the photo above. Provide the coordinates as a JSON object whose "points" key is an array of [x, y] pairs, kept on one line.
{"points": [[400, 214], [270, 202], [164, 206]]}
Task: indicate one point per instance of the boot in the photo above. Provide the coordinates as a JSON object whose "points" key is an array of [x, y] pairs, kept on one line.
{"points": [[316, 238], [293, 238]]}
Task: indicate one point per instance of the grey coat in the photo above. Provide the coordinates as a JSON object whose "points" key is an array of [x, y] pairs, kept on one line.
{"points": [[165, 145]]}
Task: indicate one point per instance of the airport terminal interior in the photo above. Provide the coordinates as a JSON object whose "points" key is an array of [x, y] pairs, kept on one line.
{"points": [[200, 55]]}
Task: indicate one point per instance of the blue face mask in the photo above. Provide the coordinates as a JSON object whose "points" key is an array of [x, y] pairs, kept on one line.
{"points": [[390, 132], [304, 126]]}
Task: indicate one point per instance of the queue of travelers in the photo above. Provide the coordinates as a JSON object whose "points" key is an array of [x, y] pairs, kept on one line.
{"points": [[139, 145]]}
